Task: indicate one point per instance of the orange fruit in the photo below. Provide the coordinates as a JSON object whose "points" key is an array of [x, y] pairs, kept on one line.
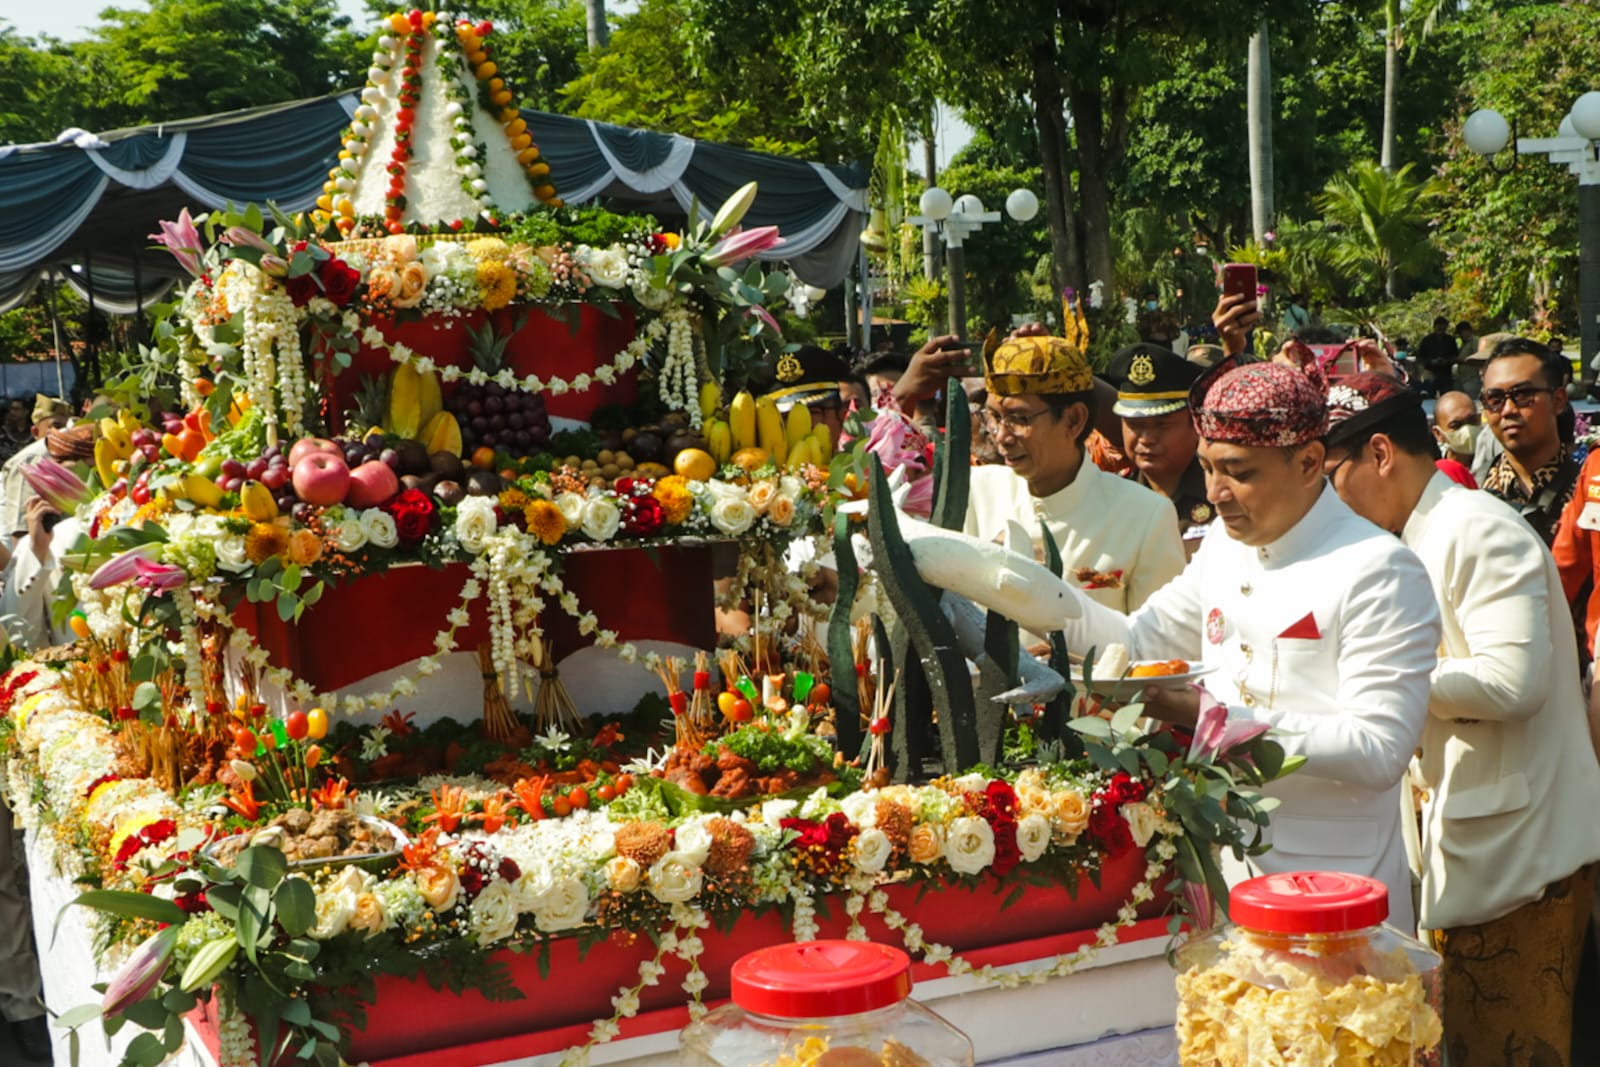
{"points": [[651, 470], [483, 457], [750, 458], [695, 464]]}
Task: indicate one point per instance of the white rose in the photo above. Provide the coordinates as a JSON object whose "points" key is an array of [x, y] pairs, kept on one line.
{"points": [[861, 809], [571, 507], [1143, 822], [672, 881], [608, 267], [494, 913], [623, 874], [969, 783], [475, 522], [692, 843], [732, 515], [601, 517], [348, 535], [791, 486], [1033, 836], [774, 812], [179, 524], [231, 554], [649, 296], [970, 845], [335, 906], [872, 849], [379, 528], [561, 905]]}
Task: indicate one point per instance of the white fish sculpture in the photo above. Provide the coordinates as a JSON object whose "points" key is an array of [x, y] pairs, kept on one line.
{"points": [[1038, 684]]}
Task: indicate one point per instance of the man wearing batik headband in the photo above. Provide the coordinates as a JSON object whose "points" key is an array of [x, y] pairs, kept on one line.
{"points": [[1119, 541], [1312, 619], [1505, 758], [1158, 433]]}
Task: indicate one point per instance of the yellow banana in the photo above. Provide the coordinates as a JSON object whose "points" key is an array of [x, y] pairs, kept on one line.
{"points": [[823, 436], [105, 457], [405, 407], [719, 441], [429, 400], [441, 433], [257, 501], [742, 420], [799, 455], [128, 420], [121, 440], [710, 399], [205, 492], [769, 428], [797, 427]]}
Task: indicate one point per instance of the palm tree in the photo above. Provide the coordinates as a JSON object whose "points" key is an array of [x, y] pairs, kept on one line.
{"points": [[1425, 15], [1259, 81], [1379, 225], [594, 24]]}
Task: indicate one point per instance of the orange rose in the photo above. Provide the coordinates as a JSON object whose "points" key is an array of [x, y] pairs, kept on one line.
{"points": [[1070, 814], [413, 283], [305, 547]]}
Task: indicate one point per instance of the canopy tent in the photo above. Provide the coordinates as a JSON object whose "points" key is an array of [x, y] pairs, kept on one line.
{"points": [[83, 207]]}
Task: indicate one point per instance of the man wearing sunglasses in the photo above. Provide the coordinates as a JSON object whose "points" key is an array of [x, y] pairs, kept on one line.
{"points": [[1524, 395]]}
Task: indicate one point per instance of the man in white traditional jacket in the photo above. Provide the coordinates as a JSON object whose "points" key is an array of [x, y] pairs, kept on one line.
{"points": [[1311, 618], [1508, 844]]}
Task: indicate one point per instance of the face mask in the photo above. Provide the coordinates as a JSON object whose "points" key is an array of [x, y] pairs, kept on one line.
{"points": [[1463, 439], [1150, 305]]}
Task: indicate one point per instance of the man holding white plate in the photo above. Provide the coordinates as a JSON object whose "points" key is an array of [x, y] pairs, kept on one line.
{"points": [[1313, 620]]}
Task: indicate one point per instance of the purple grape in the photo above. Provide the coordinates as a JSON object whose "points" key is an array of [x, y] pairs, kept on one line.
{"points": [[151, 452], [231, 485], [275, 478], [489, 440], [494, 405], [232, 468], [304, 512]]}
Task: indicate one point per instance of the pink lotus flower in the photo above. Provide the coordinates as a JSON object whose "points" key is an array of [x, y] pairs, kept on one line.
{"points": [[122, 567], [742, 244], [182, 240], [244, 235], [56, 483], [1215, 735]]}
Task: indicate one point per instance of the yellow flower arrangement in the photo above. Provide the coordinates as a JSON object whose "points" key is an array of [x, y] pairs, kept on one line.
{"points": [[498, 282], [488, 249], [672, 493], [153, 511], [264, 541], [305, 547], [512, 499], [545, 521]]}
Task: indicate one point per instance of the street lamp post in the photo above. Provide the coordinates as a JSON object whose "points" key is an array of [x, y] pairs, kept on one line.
{"points": [[955, 220], [1576, 146]]}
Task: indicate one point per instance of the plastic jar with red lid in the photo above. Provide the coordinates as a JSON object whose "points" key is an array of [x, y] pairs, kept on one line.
{"points": [[823, 1004], [1306, 972]]}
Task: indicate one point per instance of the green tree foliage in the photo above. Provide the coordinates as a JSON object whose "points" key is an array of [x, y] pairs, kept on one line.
{"points": [[1380, 227], [38, 96], [1001, 255]]}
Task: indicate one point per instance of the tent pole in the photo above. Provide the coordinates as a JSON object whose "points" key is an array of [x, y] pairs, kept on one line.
{"points": [[90, 333], [866, 301], [55, 330], [138, 304]]}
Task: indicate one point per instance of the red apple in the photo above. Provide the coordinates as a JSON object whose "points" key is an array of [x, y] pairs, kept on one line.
{"points": [[371, 484], [307, 445], [321, 478]]}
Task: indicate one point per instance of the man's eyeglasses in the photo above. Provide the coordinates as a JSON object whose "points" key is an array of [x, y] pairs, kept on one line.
{"points": [[1016, 423], [1522, 396]]}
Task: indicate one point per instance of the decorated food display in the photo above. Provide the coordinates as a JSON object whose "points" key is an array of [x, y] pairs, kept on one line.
{"points": [[307, 735], [1306, 974]]}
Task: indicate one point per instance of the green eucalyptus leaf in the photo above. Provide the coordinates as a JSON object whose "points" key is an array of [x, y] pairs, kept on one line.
{"points": [[75, 1017], [1125, 717], [145, 1050], [1091, 726], [296, 904], [262, 866]]}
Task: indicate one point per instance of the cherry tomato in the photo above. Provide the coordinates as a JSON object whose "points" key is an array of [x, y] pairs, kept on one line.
{"points": [[245, 740], [820, 694], [742, 711], [297, 725], [317, 723], [579, 797], [624, 783], [725, 701], [561, 806], [605, 793]]}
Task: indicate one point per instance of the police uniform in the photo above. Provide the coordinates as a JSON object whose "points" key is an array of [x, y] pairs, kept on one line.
{"points": [[1151, 381]]}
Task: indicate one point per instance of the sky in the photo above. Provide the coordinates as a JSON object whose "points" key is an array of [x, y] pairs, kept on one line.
{"points": [[71, 20]]}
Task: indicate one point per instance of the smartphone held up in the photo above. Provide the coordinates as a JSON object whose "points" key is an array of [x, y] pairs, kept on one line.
{"points": [[1239, 279]]}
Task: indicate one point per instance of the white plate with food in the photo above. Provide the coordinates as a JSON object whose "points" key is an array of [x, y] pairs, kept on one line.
{"points": [[1117, 678]]}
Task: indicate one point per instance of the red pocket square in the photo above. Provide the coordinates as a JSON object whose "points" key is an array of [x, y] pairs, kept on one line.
{"points": [[1304, 630]]}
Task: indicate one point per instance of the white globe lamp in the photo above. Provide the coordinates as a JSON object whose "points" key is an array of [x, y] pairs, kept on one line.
{"points": [[1586, 116], [1022, 205], [969, 205], [1486, 131], [935, 204]]}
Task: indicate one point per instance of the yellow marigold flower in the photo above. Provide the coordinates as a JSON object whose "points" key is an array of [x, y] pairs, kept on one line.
{"points": [[545, 521], [671, 240], [264, 541], [672, 493], [498, 282], [153, 511], [305, 547], [512, 500], [486, 249]]}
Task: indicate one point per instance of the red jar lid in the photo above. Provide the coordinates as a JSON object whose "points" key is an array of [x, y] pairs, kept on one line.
{"points": [[813, 979], [1309, 902]]}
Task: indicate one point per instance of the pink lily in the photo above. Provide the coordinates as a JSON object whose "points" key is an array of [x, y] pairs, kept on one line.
{"points": [[1201, 906], [1215, 735], [244, 235], [56, 483], [766, 319], [742, 244], [902, 447], [159, 577], [123, 567], [182, 240], [141, 973]]}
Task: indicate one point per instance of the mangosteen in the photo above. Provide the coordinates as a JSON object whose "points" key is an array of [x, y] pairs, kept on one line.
{"points": [[409, 481], [645, 447], [449, 492], [447, 464], [413, 457], [483, 483], [611, 440]]}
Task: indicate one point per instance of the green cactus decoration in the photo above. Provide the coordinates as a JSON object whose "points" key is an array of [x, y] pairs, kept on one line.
{"points": [[1053, 726], [932, 640], [954, 473], [841, 650], [1001, 644]]}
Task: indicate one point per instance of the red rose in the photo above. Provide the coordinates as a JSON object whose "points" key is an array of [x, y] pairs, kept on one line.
{"points": [[472, 880], [413, 512], [643, 517], [1110, 829], [1006, 853], [1123, 789], [339, 281], [623, 486], [1002, 799], [301, 288], [508, 870]]}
